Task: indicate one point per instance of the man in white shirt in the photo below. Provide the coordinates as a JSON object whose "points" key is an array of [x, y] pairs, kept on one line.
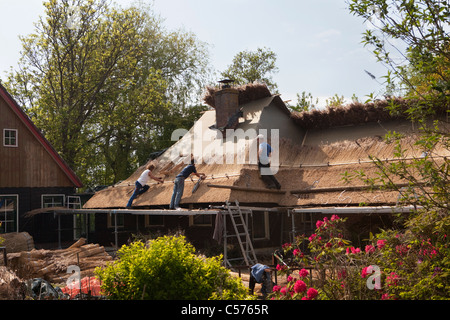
{"points": [[264, 152], [141, 184]]}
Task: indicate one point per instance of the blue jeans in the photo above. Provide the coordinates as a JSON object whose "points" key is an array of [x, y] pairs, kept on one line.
{"points": [[178, 189], [138, 190]]}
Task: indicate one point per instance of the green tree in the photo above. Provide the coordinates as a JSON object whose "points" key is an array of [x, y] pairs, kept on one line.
{"points": [[305, 102], [421, 27], [100, 82], [419, 60], [250, 66]]}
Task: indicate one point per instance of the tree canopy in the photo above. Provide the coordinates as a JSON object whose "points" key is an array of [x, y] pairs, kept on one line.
{"points": [[250, 66], [103, 82], [412, 39]]}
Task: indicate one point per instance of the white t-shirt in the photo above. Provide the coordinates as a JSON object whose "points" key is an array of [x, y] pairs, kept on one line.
{"points": [[265, 151], [144, 178]]}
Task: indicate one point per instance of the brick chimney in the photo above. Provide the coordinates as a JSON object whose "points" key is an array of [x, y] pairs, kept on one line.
{"points": [[226, 102]]}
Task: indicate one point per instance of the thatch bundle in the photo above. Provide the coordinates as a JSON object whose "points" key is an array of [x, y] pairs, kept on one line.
{"points": [[247, 93], [52, 265], [11, 286]]}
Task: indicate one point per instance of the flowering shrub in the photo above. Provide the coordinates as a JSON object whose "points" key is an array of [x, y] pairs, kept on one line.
{"points": [[166, 269], [409, 264], [296, 289]]}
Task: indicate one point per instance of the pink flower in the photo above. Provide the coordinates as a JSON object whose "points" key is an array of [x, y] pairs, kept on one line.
{"points": [[305, 298], [280, 268], [296, 252], [311, 238], [334, 217], [303, 273], [365, 271], [299, 286], [286, 246], [392, 279], [319, 223], [381, 243], [312, 293], [355, 250], [385, 296], [276, 288], [289, 279], [283, 291], [370, 248]]}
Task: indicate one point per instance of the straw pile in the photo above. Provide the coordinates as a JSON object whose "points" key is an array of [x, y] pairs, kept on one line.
{"points": [[52, 265], [11, 286], [18, 241]]}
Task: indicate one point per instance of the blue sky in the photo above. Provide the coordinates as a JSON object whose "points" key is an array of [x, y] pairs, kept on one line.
{"points": [[317, 42]]}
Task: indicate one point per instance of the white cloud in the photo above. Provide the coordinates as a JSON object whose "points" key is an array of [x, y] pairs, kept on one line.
{"points": [[327, 34], [324, 37]]}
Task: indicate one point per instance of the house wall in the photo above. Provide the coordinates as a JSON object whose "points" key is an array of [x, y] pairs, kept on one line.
{"points": [[273, 117], [42, 227], [28, 171]]}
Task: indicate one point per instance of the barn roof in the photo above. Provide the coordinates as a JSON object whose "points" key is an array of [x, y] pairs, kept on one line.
{"points": [[11, 102]]}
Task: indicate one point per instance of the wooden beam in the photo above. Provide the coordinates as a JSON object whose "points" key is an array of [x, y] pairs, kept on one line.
{"points": [[246, 189]]}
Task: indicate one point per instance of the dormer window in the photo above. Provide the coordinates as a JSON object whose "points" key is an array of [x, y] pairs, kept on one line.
{"points": [[10, 138]]}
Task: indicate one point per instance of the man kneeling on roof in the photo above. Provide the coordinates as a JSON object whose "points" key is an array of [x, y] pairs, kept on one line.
{"points": [[178, 186], [141, 185], [264, 152]]}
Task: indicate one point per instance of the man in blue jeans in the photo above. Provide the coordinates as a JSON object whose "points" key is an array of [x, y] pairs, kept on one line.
{"points": [[141, 183], [178, 187]]}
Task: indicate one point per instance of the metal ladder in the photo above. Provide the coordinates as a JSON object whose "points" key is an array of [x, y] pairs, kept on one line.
{"points": [[242, 234]]}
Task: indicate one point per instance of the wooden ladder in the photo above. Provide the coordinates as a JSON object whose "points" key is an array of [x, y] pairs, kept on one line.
{"points": [[242, 234]]}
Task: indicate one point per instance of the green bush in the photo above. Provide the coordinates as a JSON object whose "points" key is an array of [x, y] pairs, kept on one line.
{"points": [[412, 263], [167, 268]]}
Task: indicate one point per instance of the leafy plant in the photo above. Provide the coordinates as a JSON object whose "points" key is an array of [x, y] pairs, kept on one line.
{"points": [[167, 268]]}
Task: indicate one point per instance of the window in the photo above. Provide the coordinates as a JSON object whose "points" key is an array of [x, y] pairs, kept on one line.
{"points": [[10, 137], [9, 213], [260, 225], [154, 221], [200, 220], [53, 200], [83, 225], [112, 220]]}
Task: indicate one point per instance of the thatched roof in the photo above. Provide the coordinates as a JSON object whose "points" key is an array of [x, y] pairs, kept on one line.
{"points": [[358, 113], [302, 166], [354, 113]]}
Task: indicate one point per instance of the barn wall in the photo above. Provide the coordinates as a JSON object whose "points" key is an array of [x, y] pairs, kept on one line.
{"points": [[29, 164]]}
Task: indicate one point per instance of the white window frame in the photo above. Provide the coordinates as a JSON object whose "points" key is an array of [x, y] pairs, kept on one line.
{"points": [[17, 209], [53, 195], [17, 138]]}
